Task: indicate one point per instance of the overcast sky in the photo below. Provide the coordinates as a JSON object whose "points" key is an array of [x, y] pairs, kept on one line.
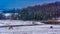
{"points": [[4, 4]]}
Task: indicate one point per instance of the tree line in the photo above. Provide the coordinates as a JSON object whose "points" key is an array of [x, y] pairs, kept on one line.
{"points": [[37, 12]]}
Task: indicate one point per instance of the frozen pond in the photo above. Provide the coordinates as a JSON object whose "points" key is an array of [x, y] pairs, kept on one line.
{"points": [[38, 29]]}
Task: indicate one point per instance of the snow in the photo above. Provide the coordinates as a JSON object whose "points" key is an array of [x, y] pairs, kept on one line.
{"points": [[18, 22], [38, 29]]}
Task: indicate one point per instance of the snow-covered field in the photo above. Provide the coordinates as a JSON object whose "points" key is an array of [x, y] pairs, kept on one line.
{"points": [[17, 22], [38, 29]]}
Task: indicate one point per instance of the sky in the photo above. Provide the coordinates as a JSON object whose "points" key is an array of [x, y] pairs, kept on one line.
{"points": [[10, 4]]}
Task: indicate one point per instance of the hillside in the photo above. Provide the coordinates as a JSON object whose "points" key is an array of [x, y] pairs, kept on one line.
{"points": [[41, 12]]}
